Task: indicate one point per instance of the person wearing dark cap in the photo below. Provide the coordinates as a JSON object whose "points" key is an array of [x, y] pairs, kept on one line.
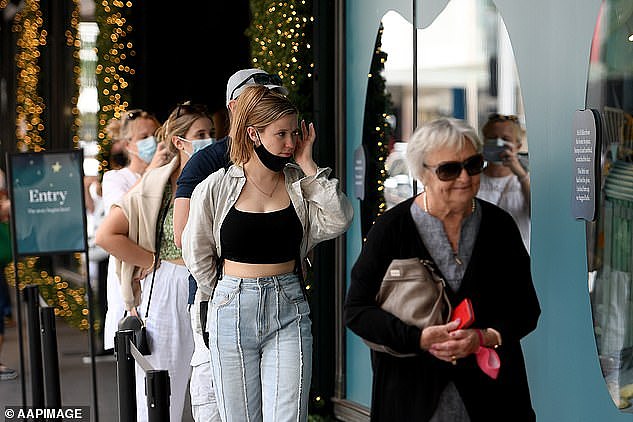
{"points": [[199, 166], [216, 156]]}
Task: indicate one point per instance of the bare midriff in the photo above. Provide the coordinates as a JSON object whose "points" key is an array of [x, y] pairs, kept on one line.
{"points": [[244, 270]]}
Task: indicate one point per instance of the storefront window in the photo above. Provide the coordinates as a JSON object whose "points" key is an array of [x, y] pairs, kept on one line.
{"points": [[610, 236], [464, 67]]}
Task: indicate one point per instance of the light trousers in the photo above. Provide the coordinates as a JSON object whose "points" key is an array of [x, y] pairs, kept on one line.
{"points": [[169, 335], [260, 342]]}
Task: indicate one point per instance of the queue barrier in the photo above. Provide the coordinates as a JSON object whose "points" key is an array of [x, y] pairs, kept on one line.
{"points": [[43, 353], [157, 389]]}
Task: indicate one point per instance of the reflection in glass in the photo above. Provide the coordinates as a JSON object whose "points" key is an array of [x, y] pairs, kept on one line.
{"points": [[610, 237], [465, 69], [398, 44], [377, 136]]}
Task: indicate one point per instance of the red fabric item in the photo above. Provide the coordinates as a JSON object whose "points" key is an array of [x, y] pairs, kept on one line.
{"points": [[487, 358]]}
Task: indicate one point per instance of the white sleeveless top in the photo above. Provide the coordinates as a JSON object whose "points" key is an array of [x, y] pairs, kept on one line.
{"points": [[506, 193]]}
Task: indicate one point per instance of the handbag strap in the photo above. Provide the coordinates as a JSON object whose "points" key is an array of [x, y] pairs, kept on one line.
{"points": [[160, 223]]}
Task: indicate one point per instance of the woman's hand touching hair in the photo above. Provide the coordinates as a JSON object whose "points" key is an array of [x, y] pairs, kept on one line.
{"points": [[303, 149]]}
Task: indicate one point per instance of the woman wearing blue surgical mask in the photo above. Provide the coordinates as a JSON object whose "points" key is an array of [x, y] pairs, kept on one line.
{"points": [[504, 181], [195, 145], [132, 127], [139, 232]]}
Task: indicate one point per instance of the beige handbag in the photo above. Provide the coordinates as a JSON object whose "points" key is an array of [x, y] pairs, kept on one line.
{"points": [[414, 292]]}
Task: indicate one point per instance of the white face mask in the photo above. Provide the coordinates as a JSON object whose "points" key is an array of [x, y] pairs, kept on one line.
{"points": [[197, 144]]}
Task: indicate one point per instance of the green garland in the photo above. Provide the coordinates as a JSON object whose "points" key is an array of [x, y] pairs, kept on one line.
{"points": [[31, 31], [376, 135], [68, 300], [115, 67], [281, 43]]}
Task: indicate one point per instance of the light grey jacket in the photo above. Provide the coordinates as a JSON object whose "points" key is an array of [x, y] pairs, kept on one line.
{"points": [[324, 211]]}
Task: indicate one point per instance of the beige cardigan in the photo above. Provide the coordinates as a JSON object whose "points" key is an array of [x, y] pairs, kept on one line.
{"points": [[141, 205]]}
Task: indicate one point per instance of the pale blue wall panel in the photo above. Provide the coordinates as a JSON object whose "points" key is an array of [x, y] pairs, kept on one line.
{"points": [[551, 41]]}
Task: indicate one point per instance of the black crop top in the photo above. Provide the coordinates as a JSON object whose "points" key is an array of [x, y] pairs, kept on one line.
{"points": [[261, 237]]}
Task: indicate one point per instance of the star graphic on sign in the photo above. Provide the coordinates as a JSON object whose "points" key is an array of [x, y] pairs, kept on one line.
{"points": [[56, 167]]}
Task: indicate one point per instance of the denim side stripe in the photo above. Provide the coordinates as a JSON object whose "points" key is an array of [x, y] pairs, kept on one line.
{"points": [[301, 364], [241, 352], [278, 293]]}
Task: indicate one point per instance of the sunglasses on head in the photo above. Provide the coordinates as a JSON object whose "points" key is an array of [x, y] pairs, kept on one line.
{"points": [[133, 114], [259, 79], [187, 108], [450, 170], [503, 117]]}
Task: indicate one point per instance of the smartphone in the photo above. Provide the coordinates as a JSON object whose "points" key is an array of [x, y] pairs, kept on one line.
{"points": [[464, 311], [494, 148]]}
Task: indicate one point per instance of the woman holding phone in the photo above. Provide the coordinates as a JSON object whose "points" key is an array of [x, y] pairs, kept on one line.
{"points": [[504, 181]]}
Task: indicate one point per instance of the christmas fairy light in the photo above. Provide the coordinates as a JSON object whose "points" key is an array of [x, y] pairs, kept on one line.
{"points": [[115, 71]]}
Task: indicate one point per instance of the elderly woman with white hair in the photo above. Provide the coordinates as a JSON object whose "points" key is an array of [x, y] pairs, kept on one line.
{"points": [[478, 250]]}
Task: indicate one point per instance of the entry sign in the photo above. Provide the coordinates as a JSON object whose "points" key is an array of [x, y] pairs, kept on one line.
{"points": [[586, 143], [47, 204]]}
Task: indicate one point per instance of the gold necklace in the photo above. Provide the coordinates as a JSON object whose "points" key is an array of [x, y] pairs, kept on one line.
{"points": [[426, 203], [270, 195]]}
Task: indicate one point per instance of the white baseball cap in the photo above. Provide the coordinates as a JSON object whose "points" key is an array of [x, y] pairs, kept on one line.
{"points": [[245, 77]]}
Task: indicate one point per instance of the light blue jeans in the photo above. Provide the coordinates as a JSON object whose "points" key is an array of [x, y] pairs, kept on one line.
{"points": [[260, 341]]}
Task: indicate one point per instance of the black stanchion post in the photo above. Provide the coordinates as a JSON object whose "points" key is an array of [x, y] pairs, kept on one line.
{"points": [[125, 377], [158, 392], [32, 299], [50, 355]]}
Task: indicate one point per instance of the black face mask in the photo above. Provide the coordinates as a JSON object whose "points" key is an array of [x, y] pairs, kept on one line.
{"points": [[271, 161]]}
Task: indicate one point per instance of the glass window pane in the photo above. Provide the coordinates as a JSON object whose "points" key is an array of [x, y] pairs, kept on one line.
{"points": [[610, 236]]}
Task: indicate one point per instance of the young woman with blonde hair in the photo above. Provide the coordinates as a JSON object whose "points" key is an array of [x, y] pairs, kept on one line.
{"points": [[248, 229], [138, 231]]}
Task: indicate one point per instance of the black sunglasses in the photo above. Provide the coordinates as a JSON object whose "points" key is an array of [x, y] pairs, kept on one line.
{"points": [[503, 117], [186, 108], [259, 79], [450, 170]]}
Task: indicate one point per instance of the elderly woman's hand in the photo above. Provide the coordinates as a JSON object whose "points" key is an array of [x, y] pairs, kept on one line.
{"points": [[447, 343], [437, 334]]}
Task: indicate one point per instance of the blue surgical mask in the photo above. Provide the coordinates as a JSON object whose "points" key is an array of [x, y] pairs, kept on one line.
{"points": [[146, 148], [197, 144]]}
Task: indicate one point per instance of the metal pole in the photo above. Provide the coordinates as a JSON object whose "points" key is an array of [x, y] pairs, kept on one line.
{"points": [[91, 336], [31, 297], [16, 272], [414, 12], [18, 302], [51, 358], [158, 391], [125, 376], [340, 163]]}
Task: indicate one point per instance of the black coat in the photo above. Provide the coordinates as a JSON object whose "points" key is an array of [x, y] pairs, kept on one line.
{"points": [[498, 281]]}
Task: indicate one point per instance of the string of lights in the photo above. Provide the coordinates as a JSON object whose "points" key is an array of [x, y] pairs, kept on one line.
{"points": [[376, 133], [73, 41], [29, 104], [115, 71], [281, 42], [29, 25]]}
